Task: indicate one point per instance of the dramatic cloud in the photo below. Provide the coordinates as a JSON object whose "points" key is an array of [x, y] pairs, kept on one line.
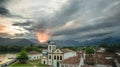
{"points": [[3, 11], [62, 19], [28, 23]]}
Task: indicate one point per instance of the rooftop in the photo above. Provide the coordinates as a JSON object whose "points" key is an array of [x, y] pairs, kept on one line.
{"points": [[72, 60], [99, 59], [33, 52], [65, 50]]}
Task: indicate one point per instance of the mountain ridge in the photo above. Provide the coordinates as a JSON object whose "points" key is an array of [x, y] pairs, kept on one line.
{"points": [[60, 43]]}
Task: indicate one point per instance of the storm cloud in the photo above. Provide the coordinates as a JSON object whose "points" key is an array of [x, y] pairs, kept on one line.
{"points": [[27, 23], [66, 19]]}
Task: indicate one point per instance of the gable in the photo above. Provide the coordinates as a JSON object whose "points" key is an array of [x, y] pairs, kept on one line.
{"points": [[57, 51]]}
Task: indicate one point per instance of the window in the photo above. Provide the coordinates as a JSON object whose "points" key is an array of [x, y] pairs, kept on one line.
{"points": [[54, 57], [57, 57], [49, 56], [50, 47], [60, 57], [57, 50]]}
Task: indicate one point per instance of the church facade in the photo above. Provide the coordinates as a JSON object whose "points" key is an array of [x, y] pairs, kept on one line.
{"points": [[56, 55]]}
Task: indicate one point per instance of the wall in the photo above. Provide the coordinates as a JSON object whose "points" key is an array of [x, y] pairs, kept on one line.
{"points": [[35, 57], [68, 65], [44, 59], [69, 54]]}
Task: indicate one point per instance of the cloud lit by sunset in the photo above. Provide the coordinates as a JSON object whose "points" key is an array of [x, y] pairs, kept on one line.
{"points": [[43, 36], [68, 19], [2, 28]]}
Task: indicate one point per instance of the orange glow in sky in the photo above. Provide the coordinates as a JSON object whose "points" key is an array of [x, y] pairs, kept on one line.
{"points": [[43, 36], [2, 28]]}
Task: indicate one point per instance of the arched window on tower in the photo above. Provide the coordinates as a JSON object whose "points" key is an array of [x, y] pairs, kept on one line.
{"points": [[49, 56], [60, 57], [50, 47], [57, 57], [54, 57]]}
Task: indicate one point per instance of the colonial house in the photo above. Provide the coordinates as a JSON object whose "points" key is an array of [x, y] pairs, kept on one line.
{"points": [[55, 55], [34, 55]]}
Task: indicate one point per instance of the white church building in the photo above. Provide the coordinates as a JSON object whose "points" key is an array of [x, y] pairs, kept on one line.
{"points": [[56, 55]]}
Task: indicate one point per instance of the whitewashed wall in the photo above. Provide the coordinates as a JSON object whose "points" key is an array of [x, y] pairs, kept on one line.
{"points": [[69, 54], [35, 57], [42, 61]]}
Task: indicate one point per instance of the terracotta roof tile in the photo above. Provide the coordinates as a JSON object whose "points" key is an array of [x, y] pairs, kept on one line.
{"points": [[72, 60], [87, 66], [66, 50], [33, 52], [99, 59]]}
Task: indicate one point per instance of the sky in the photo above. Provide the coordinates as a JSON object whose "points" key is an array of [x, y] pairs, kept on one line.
{"points": [[60, 19]]}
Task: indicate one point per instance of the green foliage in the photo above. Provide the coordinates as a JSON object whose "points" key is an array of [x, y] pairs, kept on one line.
{"points": [[10, 49], [16, 49], [89, 50], [111, 50], [30, 63], [32, 48], [17, 64], [103, 45], [22, 56], [73, 48]]}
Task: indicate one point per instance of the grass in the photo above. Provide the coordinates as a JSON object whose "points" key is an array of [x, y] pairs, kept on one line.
{"points": [[17, 64], [33, 63], [38, 63], [42, 65]]}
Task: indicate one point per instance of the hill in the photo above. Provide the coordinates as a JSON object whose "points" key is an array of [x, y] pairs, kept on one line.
{"points": [[19, 42]]}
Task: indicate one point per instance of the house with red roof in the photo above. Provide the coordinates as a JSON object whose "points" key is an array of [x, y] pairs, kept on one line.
{"points": [[34, 55]]}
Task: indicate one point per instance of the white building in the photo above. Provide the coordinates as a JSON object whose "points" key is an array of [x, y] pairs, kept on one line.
{"points": [[34, 55], [44, 60], [55, 55], [101, 50]]}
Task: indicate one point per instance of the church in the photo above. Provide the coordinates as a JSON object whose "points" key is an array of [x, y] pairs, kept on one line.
{"points": [[55, 55]]}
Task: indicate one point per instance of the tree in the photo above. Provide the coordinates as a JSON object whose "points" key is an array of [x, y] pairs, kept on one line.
{"points": [[110, 49], [104, 45], [89, 50], [22, 56]]}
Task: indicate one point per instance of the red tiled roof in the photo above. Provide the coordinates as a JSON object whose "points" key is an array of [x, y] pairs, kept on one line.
{"points": [[99, 59], [45, 49], [66, 50], [33, 52], [72, 60], [117, 57], [87, 66]]}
